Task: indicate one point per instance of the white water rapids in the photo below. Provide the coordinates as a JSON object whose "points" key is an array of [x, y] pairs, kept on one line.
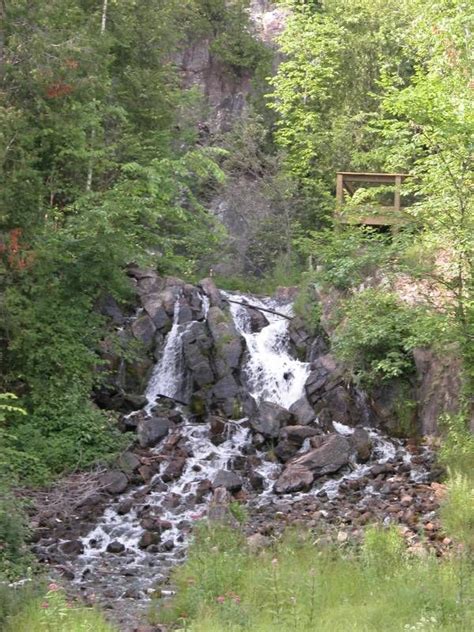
{"points": [[272, 374]]}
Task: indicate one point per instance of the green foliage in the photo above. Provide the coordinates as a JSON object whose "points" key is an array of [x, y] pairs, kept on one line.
{"points": [[327, 88], [458, 510], [457, 450], [15, 559], [239, 512], [376, 334], [300, 585], [233, 41], [306, 305], [349, 256]]}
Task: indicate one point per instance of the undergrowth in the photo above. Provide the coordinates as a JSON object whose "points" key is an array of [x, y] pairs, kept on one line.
{"points": [[296, 585]]}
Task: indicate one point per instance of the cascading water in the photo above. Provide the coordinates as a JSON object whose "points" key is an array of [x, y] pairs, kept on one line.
{"points": [[114, 561], [271, 373]]}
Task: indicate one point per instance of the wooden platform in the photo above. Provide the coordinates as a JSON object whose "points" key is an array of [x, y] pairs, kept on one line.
{"points": [[369, 214]]}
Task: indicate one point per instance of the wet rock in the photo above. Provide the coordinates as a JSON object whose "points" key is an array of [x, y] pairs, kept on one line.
{"points": [[155, 524], [285, 450], [298, 434], [217, 429], [362, 444], [210, 290], [228, 343], [174, 469], [115, 547], [295, 478], [114, 481], [227, 479], [125, 507], [257, 320], [72, 547], [302, 411], [203, 488], [270, 419], [329, 457], [151, 430], [65, 571], [149, 538], [197, 346]]}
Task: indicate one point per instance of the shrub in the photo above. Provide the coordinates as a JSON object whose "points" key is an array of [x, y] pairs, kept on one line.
{"points": [[376, 335]]}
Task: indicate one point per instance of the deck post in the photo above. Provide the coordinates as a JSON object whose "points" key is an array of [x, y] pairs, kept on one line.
{"points": [[398, 186]]}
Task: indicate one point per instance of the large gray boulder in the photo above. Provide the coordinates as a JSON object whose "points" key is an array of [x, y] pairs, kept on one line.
{"points": [[114, 481], [302, 411], [151, 430], [333, 454], [143, 329], [230, 480], [270, 419], [295, 478], [210, 290], [154, 307]]}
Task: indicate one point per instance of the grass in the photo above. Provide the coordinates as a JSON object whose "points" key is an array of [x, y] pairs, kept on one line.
{"points": [[53, 613], [295, 585]]}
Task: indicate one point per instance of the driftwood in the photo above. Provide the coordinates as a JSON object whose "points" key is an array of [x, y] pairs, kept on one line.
{"points": [[259, 309]]}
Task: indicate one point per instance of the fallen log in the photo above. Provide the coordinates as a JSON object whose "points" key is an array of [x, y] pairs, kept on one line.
{"points": [[259, 309]]}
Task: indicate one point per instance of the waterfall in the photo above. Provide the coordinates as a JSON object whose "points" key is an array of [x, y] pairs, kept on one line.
{"points": [[270, 372]]}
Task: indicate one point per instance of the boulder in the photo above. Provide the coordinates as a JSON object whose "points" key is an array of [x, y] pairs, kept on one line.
{"points": [[149, 538], [128, 462], [143, 329], [114, 481], [210, 290], [362, 444], [302, 411], [270, 419], [257, 320], [329, 457], [153, 305], [174, 469], [72, 547], [151, 430], [285, 450], [298, 434], [230, 480], [227, 341], [295, 478]]}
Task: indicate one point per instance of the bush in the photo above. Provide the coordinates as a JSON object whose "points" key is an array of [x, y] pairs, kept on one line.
{"points": [[376, 335], [346, 257]]}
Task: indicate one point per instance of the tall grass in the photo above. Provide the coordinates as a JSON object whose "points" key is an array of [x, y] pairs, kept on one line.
{"points": [[54, 613], [295, 585]]}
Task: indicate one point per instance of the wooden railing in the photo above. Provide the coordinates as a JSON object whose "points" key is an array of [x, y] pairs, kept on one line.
{"points": [[370, 214]]}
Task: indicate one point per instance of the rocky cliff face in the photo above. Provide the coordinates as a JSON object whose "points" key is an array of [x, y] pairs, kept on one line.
{"points": [[225, 92]]}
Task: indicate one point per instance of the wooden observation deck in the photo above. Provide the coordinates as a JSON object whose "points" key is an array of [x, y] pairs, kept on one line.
{"points": [[371, 214]]}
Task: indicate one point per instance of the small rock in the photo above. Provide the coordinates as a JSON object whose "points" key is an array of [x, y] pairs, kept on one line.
{"points": [[115, 547]]}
